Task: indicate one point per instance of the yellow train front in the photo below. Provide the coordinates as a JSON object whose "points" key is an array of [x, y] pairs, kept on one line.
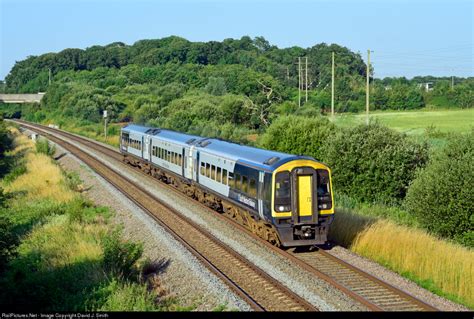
{"points": [[302, 202]]}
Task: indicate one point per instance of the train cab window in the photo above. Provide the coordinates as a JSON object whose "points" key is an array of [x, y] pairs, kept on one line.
{"points": [[124, 138], [213, 172], [245, 184], [252, 188], [224, 176], [219, 175], [282, 192], [208, 170], [324, 190], [238, 181], [203, 169]]}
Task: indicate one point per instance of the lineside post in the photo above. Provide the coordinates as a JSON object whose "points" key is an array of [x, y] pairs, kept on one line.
{"points": [[105, 125]]}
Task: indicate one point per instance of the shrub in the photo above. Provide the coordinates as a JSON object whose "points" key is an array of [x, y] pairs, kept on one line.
{"points": [[120, 256], [441, 195], [298, 135], [374, 163], [43, 146]]}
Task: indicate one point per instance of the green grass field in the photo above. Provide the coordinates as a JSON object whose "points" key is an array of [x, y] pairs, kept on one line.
{"points": [[415, 122]]}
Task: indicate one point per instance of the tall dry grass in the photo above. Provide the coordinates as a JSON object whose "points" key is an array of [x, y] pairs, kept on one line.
{"points": [[449, 267], [43, 178], [440, 266], [21, 143]]}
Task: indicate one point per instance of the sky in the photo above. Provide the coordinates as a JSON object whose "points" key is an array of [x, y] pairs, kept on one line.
{"points": [[406, 37]]}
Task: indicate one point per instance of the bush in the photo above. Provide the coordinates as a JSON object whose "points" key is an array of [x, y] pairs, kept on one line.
{"points": [[374, 163], [441, 195], [298, 135], [42, 146], [119, 256]]}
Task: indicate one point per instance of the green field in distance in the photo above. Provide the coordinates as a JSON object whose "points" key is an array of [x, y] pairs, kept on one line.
{"points": [[415, 122]]}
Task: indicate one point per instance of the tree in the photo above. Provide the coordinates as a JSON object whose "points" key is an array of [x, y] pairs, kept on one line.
{"points": [[216, 86]]}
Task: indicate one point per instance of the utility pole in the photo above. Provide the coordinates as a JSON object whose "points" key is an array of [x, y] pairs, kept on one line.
{"points": [[306, 79], [49, 76], [452, 82], [299, 81], [332, 87], [367, 89]]}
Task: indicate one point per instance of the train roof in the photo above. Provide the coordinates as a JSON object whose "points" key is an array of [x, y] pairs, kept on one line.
{"points": [[257, 157]]}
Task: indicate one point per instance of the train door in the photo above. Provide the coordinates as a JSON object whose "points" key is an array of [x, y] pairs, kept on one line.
{"points": [[146, 147], [190, 162], [261, 176], [304, 201]]}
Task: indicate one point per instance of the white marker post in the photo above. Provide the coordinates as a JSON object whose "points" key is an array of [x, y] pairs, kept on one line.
{"points": [[105, 124]]}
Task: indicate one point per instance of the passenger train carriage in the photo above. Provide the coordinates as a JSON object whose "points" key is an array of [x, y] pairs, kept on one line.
{"points": [[283, 198]]}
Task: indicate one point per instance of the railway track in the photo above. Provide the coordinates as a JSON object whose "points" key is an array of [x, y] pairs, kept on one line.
{"points": [[366, 289], [259, 290]]}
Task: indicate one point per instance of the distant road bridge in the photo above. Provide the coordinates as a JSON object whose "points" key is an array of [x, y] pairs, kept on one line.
{"points": [[21, 98]]}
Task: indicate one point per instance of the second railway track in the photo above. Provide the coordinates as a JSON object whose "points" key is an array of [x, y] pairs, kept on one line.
{"points": [[366, 289]]}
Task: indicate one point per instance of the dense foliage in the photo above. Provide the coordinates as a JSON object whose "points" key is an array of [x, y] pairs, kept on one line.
{"points": [[442, 197], [5, 145], [299, 135], [374, 163]]}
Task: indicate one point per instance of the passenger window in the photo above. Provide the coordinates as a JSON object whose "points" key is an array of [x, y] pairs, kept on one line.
{"points": [[174, 158], [224, 176], [244, 184], [219, 175], [238, 182], [253, 188], [231, 180], [213, 172], [203, 169], [208, 170], [180, 162]]}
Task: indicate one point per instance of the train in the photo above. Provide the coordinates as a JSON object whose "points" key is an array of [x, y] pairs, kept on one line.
{"points": [[283, 198]]}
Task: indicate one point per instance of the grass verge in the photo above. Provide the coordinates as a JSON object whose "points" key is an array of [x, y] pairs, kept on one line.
{"points": [[59, 252]]}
